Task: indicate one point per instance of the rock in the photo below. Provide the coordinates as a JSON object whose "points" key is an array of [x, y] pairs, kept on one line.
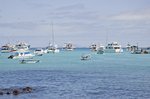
{"points": [[8, 93], [1, 93], [16, 92], [27, 89]]}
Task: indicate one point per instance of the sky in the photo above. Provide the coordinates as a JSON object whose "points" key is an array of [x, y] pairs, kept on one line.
{"points": [[81, 22]]}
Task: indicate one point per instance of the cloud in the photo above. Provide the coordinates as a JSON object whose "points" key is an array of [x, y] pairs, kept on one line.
{"points": [[19, 25], [71, 7], [132, 16]]}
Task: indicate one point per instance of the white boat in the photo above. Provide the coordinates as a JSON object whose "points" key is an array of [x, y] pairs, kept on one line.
{"points": [[85, 57], [18, 55], [94, 47], [29, 61], [113, 47], [100, 50], [68, 47], [7, 48], [52, 48], [39, 52], [22, 46]]}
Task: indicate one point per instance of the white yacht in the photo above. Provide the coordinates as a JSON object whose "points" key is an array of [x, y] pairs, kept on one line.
{"points": [[94, 47], [113, 47], [7, 48], [68, 47], [22, 46], [18, 55]]}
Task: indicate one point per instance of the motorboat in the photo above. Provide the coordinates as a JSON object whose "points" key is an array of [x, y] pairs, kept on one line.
{"points": [[22, 46], [85, 57], [94, 47], [100, 50], [29, 61], [68, 47], [132, 48], [113, 47], [7, 48], [39, 52], [18, 55]]}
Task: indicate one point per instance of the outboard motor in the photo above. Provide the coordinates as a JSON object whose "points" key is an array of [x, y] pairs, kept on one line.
{"points": [[11, 57]]}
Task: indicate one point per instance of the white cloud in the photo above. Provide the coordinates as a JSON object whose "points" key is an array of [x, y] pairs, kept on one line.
{"points": [[132, 16]]}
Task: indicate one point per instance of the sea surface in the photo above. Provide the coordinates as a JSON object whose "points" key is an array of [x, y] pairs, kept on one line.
{"points": [[64, 76]]}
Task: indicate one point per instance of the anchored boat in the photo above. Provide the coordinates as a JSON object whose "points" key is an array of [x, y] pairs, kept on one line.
{"points": [[19, 55], [85, 57], [113, 47], [29, 61]]}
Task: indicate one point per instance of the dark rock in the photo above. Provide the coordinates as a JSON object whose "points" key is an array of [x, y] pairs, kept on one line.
{"points": [[8, 93], [1, 93], [27, 89], [16, 92]]}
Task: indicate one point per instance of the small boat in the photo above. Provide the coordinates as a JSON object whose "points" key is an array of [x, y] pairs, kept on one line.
{"points": [[7, 48], [68, 47], [94, 47], [136, 52], [86, 57], [29, 61], [52, 49], [39, 52], [19, 55], [100, 50]]}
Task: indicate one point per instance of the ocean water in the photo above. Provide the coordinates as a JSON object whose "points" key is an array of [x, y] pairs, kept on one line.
{"points": [[64, 76]]}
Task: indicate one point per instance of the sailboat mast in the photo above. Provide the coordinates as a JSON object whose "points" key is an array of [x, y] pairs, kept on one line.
{"points": [[52, 34]]}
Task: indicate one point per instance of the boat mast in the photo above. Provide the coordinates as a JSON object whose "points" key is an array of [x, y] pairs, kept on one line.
{"points": [[106, 42], [52, 35]]}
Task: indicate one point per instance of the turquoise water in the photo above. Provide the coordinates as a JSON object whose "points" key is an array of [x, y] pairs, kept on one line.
{"points": [[64, 76]]}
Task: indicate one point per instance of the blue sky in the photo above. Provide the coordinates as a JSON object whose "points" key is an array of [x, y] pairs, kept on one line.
{"points": [[81, 22]]}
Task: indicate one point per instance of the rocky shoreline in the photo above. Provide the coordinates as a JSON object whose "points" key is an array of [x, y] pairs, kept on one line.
{"points": [[16, 91]]}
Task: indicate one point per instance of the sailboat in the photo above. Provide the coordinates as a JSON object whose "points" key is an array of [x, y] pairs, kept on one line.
{"points": [[52, 48]]}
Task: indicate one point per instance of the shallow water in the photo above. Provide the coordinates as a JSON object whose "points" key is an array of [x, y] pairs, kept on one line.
{"points": [[65, 76]]}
